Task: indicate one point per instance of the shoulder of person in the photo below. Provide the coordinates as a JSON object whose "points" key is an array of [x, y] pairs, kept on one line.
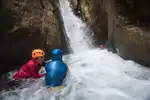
{"points": [[31, 62]]}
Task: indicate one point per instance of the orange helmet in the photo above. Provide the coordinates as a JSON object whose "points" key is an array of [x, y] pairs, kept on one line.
{"points": [[37, 53]]}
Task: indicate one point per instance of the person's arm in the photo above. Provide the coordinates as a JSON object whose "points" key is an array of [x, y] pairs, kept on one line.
{"points": [[32, 71], [45, 62], [35, 75], [21, 74], [42, 75], [42, 72]]}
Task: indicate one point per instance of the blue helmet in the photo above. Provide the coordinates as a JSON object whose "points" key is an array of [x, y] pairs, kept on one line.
{"points": [[57, 54]]}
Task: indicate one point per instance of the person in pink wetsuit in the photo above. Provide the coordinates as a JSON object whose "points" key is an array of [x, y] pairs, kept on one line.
{"points": [[30, 68]]}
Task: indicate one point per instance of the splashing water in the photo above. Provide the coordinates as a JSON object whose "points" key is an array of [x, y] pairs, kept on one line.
{"points": [[95, 75], [79, 35]]}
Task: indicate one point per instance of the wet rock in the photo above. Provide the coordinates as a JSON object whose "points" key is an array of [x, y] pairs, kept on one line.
{"points": [[131, 38], [76, 7], [26, 25], [93, 13], [133, 44], [122, 24], [129, 30]]}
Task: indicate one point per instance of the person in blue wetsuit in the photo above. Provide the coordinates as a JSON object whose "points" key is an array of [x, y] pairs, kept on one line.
{"points": [[56, 70]]}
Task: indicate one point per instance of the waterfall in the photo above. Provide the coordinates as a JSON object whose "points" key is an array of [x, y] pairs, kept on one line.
{"points": [[79, 35], [95, 74]]}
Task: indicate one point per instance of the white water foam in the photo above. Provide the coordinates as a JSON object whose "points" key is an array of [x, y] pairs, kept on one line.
{"points": [[79, 35], [95, 75]]}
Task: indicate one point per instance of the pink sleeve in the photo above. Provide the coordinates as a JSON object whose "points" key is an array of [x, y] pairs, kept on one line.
{"points": [[32, 69], [22, 73], [35, 75]]}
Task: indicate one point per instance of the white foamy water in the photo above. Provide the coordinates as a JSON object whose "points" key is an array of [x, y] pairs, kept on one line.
{"points": [[95, 75], [80, 37]]}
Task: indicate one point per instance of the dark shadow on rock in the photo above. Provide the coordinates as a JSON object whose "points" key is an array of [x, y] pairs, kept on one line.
{"points": [[110, 46], [78, 11], [137, 11], [133, 44], [17, 47], [8, 19], [16, 44], [100, 25]]}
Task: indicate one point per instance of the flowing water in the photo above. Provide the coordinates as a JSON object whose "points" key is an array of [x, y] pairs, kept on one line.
{"points": [[79, 35], [94, 74]]}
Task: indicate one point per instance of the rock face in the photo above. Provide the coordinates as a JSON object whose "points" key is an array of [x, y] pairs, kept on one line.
{"points": [[24, 26], [124, 23], [92, 12], [131, 38]]}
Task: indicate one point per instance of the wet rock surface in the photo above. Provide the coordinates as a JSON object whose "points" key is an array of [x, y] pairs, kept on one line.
{"points": [[122, 24], [132, 37], [92, 12], [26, 25]]}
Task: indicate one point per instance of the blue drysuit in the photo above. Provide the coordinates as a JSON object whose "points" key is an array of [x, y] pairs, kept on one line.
{"points": [[56, 69]]}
